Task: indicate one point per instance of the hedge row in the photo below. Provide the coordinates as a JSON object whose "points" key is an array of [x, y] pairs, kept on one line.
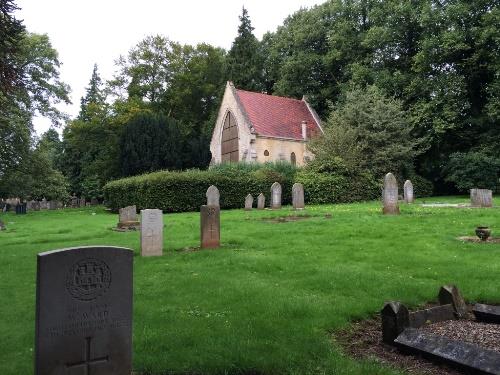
{"points": [[185, 191]]}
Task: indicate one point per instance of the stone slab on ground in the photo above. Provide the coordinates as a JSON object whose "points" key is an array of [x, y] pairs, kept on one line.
{"points": [[84, 311], [469, 357], [487, 313]]}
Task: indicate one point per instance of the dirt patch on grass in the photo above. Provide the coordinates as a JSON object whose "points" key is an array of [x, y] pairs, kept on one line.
{"points": [[363, 340], [477, 240], [286, 219]]}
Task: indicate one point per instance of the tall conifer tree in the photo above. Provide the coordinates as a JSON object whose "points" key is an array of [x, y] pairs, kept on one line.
{"points": [[244, 61], [94, 99]]}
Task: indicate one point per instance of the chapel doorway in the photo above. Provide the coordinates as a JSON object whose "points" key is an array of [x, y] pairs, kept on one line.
{"points": [[229, 143]]}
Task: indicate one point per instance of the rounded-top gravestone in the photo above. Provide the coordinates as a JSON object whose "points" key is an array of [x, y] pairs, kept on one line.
{"points": [[248, 202], [298, 196], [213, 196], [408, 192], [390, 195], [276, 196]]}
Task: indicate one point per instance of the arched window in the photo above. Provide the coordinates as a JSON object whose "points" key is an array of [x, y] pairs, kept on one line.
{"points": [[266, 153], [293, 158], [229, 142]]}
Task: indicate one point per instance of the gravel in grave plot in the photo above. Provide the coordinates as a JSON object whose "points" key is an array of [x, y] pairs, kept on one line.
{"points": [[363, 340]]}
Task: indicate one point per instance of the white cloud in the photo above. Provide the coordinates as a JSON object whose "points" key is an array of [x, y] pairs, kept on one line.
{"points": [[98, 31]]}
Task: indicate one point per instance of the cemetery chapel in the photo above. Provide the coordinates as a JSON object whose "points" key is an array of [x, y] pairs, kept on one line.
{"points": [[256, 127]]}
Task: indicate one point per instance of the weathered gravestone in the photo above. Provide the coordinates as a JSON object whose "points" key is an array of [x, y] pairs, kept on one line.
{"points": [[469, 357], [35, 205], [276, 196], [44, 204], [261, 201], [487, 313], [94, 202], [74, 201], [82, 202], [390, 195], [248, 202], [84, 312], [298, 196], [395, 319], [128, 218], [151, 232], [450, 294], [52, 205], [408, 192], [481, 198], [210, 226], [213, 196]]}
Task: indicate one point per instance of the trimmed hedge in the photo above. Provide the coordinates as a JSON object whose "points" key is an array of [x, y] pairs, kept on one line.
{"points": [[185, 191]]}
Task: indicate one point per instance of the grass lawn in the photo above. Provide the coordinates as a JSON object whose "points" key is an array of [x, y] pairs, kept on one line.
{"points": [[270, 300]]}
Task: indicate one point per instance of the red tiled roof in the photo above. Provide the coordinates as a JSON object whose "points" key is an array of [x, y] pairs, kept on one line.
{"points": [[276, 116]]}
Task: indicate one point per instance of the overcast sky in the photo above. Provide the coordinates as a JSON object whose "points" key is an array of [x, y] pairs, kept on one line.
{"points": [[98, 31]]}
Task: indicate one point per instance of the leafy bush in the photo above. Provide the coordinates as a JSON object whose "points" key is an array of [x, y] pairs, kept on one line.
{"points": [[322, 188], [473, 170], [421, 186], [185, 191]]}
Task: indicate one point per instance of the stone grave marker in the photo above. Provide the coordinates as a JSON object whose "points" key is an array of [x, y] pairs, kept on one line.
{"points": [[395, 319], [74, 201], [36, 206], [213, 196], [44, 204], [487, 313], [450, 294], [128, 218], [481, 198], [276, 196], [298, 196], [82, 202], [261, 201], [151, 232], [94, 202], [249, 202], [84, 311], [390, 195], [408, 192], [210, 226], [470, 357]]}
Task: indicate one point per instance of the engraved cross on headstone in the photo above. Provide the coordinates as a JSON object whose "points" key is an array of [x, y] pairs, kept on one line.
{"points": [[88, 361]]}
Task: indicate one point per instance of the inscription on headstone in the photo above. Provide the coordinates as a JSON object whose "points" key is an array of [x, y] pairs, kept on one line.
{"points": [[408, 192], [481, 198], [276, 196], [84, 311], [261, 201], [390, 195], [213, 196], [298, 196], [151, 232], [210, 226], [248, 202]]}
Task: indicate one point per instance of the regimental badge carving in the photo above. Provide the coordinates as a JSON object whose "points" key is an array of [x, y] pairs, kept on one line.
{"points": [[88, 279]]}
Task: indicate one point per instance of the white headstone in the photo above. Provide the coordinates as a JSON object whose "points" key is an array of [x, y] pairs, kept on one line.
{"points": [[151, 232], [276, 196], [408, 192], [213, 196], [261, 201], [298, 196], [249, 202]]}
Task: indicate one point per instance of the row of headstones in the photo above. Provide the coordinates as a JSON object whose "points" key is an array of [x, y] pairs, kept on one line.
{"points": [[213, 197], [390, 197], [33, 205], [151, 227]]}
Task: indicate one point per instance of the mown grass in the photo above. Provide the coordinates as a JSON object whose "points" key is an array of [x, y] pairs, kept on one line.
{"points": [[271, 299]]}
